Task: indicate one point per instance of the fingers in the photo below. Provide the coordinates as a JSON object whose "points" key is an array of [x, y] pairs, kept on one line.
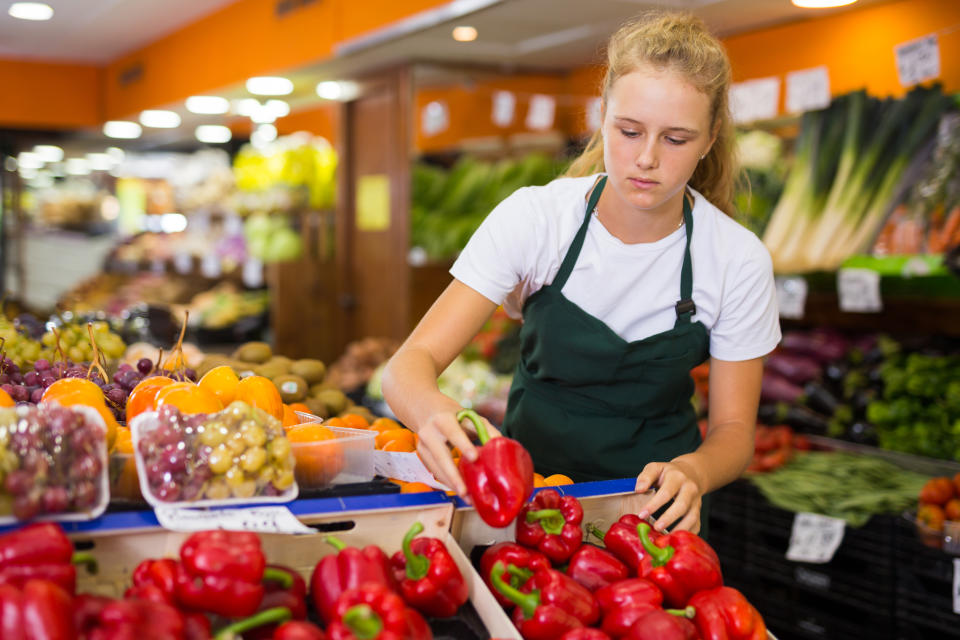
{"points": [[690, 522], [441, 464], [685, 502], [673, 484], [649, 476]]}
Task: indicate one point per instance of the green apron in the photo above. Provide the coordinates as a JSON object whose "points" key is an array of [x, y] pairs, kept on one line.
{"points": [[589, 404]]}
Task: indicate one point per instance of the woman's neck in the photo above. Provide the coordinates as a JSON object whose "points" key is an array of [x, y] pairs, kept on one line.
{"points": [[634, 226]]}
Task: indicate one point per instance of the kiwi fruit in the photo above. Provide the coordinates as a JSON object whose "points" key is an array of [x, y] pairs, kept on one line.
{"points": [[292, 388], [281, 361], [256, 352], [270, 370], [334, 399], [318, 388], [317, 407], [310, 370]]}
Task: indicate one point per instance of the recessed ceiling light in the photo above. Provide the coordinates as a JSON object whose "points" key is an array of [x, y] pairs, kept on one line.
{"points": [[122, 129], [207, 105], [329, 90], [279, 108], [246, 107], [821, 4], [160, 119], [49, 152], [31, 11], [100, 161], [464, 33], [78, 167], [213, 133], [116, 154], [29, 160], [269, 86]]}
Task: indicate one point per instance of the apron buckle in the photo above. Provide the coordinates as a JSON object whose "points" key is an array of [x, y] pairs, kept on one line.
{"points": [[686, 306]]}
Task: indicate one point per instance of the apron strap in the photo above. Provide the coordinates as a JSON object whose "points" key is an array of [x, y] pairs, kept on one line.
{"points": [[566, 267], [685, 306]]}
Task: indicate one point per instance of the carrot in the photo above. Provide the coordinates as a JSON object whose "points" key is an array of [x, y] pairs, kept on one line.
{"points": [[951, 230]]}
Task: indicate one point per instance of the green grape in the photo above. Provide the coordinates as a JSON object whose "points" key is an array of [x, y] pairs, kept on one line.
{"points": [[245, 489], [218, 489], [221, 459], [234, 477], [213, 434], [253, 434], [253, 458], [284, 479], [76, 354], [48, 339], [236, 444], [279, 449]]}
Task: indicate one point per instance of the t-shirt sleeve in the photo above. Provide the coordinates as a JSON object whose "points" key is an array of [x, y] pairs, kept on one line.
{"points": [[748, 325], [495, 258]]}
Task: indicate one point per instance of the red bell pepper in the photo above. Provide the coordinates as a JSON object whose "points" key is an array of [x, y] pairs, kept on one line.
{"points": [[680, 563], [41, 551], [595, 568], [298, 630], [551, 524], [259, 619], [624, 602], [374, 612], [510, 553], [534, 618], [347, 569], [664, 624], [621, 540], [429, 579], [585, 633], [292, 597], [106, 619], [724, 613], [500, 480], [41, 610], [556, 588], [154, 580]]}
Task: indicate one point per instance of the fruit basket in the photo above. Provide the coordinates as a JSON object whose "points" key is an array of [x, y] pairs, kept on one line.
{"points": [[237, 455], [53, 463]]}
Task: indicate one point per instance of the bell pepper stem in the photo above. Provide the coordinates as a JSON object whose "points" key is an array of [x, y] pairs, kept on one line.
{"points": [[417, 565], [520, 573], [658, 555], [363, 622], [267, 616], [335, 542], [87, 560], [596, 531], [478, 425], [551, 520], [528, 602], [271, 574], [689, 612]]}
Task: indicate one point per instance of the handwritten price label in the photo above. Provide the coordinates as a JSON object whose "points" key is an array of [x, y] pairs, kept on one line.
{"points": [[791, 297], [918, 60], [541, 112], [755, 99], [815, 538], [808, 90], [859, 291], [404, 466], [258, 519], [504, 105]]}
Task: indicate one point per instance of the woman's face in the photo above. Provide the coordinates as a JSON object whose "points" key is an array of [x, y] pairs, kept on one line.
{"points": [[656, 125]]}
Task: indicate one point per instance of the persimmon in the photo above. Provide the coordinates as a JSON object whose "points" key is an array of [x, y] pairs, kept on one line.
{"points": [[124, 441], [354, 421], [290, 417], [415, 487], [189, 398], [6, 400], [319, 458], [557, 479], [260, 392], [82, 392], [380, 425], [299, 406], [397, 440], [334, 422], [222, 381], [144, 396], [538, 480]]}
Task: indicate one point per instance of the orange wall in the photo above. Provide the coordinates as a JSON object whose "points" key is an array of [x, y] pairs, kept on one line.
{"points": [[322, 121], [50, 96]]}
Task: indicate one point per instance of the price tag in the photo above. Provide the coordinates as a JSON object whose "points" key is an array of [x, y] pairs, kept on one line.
{"points": [[755, 99], [918, 60], [815, 538], [859, 291], [594, 114], [253, 273], [540, 113], [791, 297], [272, 519], [210, 266], [504, 105], [956, 586], [808, 90], [435, 118], [404, 466]]}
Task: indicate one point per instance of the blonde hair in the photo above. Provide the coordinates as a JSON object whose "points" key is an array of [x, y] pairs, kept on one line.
{"points": [[680, 42]]}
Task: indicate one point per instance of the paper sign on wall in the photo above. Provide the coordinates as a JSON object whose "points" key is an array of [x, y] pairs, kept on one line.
{"points": [[504, 105], [594, 114], [210, 266], [755, 99], [541, 112], [815, 538], [791, 297], [373, 203], [918, 60], [808, 90], [859, 291], [435, 118]]}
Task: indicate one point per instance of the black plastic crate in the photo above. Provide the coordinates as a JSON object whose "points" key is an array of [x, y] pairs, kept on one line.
{"points": [[919, 620]]}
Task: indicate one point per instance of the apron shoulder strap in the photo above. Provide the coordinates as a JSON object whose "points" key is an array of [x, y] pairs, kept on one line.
{"points": [[569, 260], [685, 306]]}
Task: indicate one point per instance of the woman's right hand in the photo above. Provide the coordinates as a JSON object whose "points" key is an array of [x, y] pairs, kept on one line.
{"points": [[440, 432]]}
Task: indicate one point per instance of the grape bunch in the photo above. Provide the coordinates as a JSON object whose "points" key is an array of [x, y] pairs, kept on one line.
{"points": [[240, 452], [51, 460], [29, 386], [75, 342]]}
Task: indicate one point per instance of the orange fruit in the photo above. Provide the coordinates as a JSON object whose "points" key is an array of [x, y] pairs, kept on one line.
{"points": [[222, 382], [354, 421], [299, 406], [415, 487], [319, 458], [189, 398], [397, 440], [384, 424], [79, 391], [260, 392], [124, 441], [538, 480], [144, 395], [6, 400], [334, 422], [556, 480], [309, 433], [290, 418]]}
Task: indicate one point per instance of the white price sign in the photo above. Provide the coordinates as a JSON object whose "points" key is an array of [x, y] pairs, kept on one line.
{"points": [[808, 90], [755, 99], [918, 60], [815, 538], [859, 291], [435, 118], [271, 519], [404, 466], [183, 262], [594, 114], [253, 273], [504, 105], [541, 112], [791, 297]]}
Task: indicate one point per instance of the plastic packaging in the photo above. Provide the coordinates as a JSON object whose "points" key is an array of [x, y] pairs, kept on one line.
{"points": [[347, 458]]}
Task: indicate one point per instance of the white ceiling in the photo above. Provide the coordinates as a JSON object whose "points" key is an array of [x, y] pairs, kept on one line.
{"points": [[97, 31]]}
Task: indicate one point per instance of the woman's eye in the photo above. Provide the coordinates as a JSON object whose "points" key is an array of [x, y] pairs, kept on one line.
{"points": [[629, 134], [676, 141]]}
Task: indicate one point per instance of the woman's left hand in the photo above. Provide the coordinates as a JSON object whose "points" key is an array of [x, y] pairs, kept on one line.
{"points": [[676, 481]]}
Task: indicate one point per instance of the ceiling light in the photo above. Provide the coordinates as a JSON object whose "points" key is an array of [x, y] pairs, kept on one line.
{"points": [[263, 135], [269, 86], [207, 105], [329, 90], [246, 107], [122, 129], [116, 154], [78, 167], [213, 134], [29, 160], [49, 152], [100, 161], [31, 11], [160, 119], [464, 34], [821, 4], [278, 108], [262, 115]]}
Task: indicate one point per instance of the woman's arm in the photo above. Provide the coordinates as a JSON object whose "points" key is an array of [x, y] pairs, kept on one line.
{"points": [[725, 453], [410, 378]]}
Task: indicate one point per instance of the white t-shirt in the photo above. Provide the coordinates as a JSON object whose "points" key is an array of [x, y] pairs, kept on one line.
{"points": [[633, 288]]}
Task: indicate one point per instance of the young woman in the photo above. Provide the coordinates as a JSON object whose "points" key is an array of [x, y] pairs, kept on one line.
{"points": [[628, 273]]}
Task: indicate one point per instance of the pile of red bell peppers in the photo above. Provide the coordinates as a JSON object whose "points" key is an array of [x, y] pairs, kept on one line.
{"points": [[221, 587], [642, 585]]}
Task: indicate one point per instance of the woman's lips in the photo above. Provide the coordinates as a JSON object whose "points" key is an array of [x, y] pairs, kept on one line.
{"points": [[643, 184]]}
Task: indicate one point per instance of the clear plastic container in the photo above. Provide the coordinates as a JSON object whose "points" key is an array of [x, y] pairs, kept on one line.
{"points": [[97, 475], [195, 481], [124, 479], [341, 460]]}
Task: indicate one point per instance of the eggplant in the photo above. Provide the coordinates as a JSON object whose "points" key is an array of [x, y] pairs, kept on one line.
{"points": [[822, 345], [835, 372], [771, 414], [861, 399], [774, 388], [818, 398], [806, 420], [862, 432], [798, 369]]}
